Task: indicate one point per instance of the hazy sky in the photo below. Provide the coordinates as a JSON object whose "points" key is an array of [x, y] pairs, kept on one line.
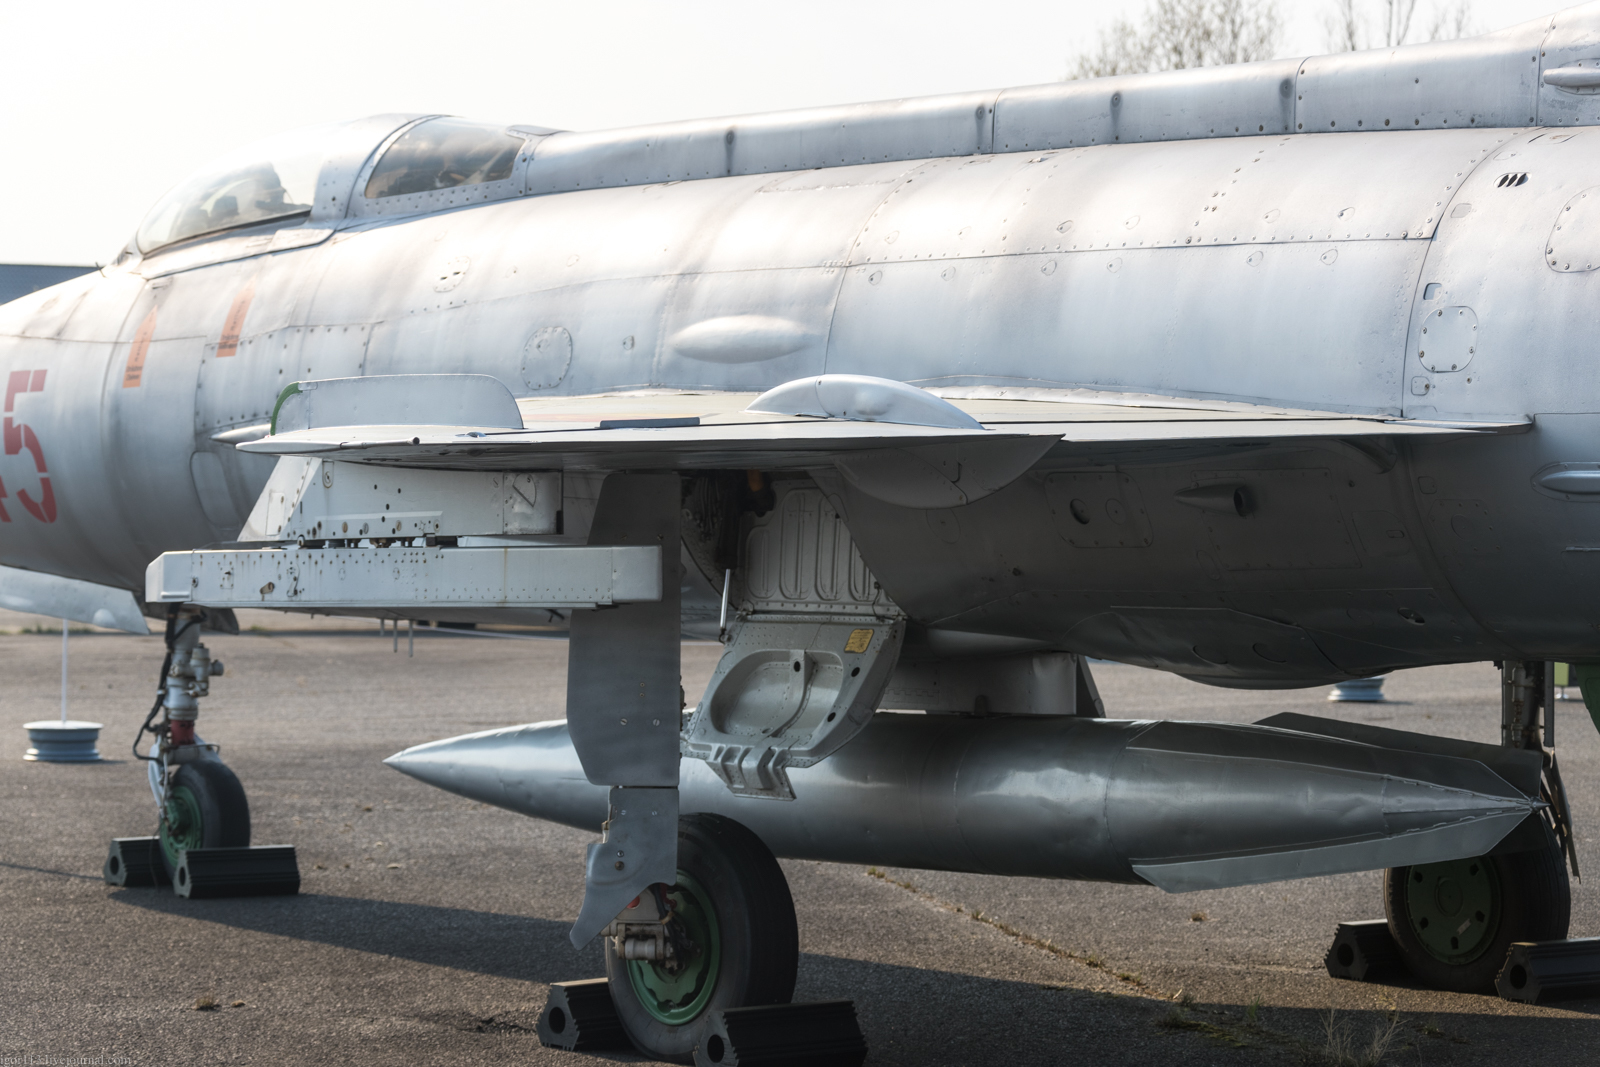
{"points": [[106, 105]]}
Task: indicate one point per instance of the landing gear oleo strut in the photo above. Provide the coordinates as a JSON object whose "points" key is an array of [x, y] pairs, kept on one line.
{"points": [[200, 801]]}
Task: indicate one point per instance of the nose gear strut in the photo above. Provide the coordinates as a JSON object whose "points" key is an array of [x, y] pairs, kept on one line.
{"points": [[198, 806]]}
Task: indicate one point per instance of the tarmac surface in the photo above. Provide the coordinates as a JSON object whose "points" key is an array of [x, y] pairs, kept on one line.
{"points": [[428, 926]]}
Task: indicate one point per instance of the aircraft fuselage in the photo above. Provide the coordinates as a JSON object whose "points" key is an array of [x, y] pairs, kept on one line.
{"points": [[1289, 271]]}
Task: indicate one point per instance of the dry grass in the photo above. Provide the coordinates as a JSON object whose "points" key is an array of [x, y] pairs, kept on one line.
{"points": [[1344, 1049], [206, 1001]]}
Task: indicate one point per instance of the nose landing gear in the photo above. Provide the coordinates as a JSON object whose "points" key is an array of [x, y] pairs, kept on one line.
{"points": [[200, 801], [205, 808]]}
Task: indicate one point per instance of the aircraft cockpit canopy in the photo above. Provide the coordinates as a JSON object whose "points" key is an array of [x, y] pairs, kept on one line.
{"points": [[269, 180], [443, 154], [276, 180]]}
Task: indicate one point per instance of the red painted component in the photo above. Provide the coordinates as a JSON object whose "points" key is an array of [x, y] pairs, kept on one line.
{"points": [[182, 732], [21, 381], [45, 509], [18, 436]]}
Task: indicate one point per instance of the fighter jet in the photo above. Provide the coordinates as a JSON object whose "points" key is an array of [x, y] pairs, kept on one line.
{"points": [[918, 406]]}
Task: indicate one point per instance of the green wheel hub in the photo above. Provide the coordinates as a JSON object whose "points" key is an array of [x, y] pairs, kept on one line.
{"points": [[183, 827], [679, 998], [1454, 908]]}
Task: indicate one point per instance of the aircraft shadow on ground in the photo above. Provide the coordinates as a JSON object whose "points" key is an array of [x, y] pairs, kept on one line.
{"points": [[911, 1014], [519, 947]]}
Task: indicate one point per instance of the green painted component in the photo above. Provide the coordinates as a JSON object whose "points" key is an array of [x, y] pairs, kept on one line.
{"points": [[183, 826], [1454, 908], [289, 390], [677, 999], [1587, 677]]}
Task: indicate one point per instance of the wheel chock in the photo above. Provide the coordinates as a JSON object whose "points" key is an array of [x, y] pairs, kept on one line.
{"points": [[135, 861], [256, 871], [1364, 952], [1537, 972], [794, 1035], [580, 1017]]}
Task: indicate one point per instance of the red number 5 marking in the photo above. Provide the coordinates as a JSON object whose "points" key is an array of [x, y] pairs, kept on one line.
{"points": [[19, 436]]}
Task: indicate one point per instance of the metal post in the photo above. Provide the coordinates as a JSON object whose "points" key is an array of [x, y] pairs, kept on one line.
{"points": [[1359, 690], [722, 621], [63, 672], [1549, 709], [396, 629], [411, 637]]}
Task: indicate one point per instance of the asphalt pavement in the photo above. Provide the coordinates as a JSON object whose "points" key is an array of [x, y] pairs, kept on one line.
{"points": [[429, 927]]}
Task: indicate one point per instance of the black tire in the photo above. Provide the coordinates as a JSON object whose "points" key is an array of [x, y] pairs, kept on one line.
{"points": [[1529, 899], [757, 940], [206, 808]]}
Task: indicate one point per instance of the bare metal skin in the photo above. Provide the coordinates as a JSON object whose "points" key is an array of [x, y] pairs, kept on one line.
{"points": [[997, 242]]}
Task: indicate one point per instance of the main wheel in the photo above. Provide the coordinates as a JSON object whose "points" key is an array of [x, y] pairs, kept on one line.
{"points": [[206, 808], [1454, 922], [734, 909]]}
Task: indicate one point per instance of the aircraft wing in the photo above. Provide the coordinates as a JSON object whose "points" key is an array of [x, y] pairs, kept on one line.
{"points": [[690, 429], [894, 441]]}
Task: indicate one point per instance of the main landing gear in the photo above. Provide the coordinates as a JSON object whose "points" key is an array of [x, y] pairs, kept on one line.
{"points": [[201, 802], [723, 937], [1454, 922]]}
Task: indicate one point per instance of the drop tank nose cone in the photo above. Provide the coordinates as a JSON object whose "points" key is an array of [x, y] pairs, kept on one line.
{"points": [[467, 765], [529, 769]]}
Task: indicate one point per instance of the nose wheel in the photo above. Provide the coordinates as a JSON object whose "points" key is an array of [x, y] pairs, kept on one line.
{"points": [[1454, 922], [205, 808], [734, 941]]}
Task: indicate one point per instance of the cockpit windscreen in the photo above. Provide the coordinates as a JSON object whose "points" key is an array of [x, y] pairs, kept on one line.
{"points": [[262, 182], [442, 154]]}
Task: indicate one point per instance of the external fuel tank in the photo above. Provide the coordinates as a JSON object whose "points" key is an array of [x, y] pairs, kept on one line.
{"points": [[1179, 805]]}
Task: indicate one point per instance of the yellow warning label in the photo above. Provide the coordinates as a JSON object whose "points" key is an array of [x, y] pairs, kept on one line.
{"points": [[859, 640]]}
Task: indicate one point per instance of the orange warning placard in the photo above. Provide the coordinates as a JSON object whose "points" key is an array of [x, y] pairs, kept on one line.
{"points": [[233, 325], [141, 345]]}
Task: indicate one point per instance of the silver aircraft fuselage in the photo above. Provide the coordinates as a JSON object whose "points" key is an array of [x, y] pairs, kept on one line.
{"points": [[1256, 264]]}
